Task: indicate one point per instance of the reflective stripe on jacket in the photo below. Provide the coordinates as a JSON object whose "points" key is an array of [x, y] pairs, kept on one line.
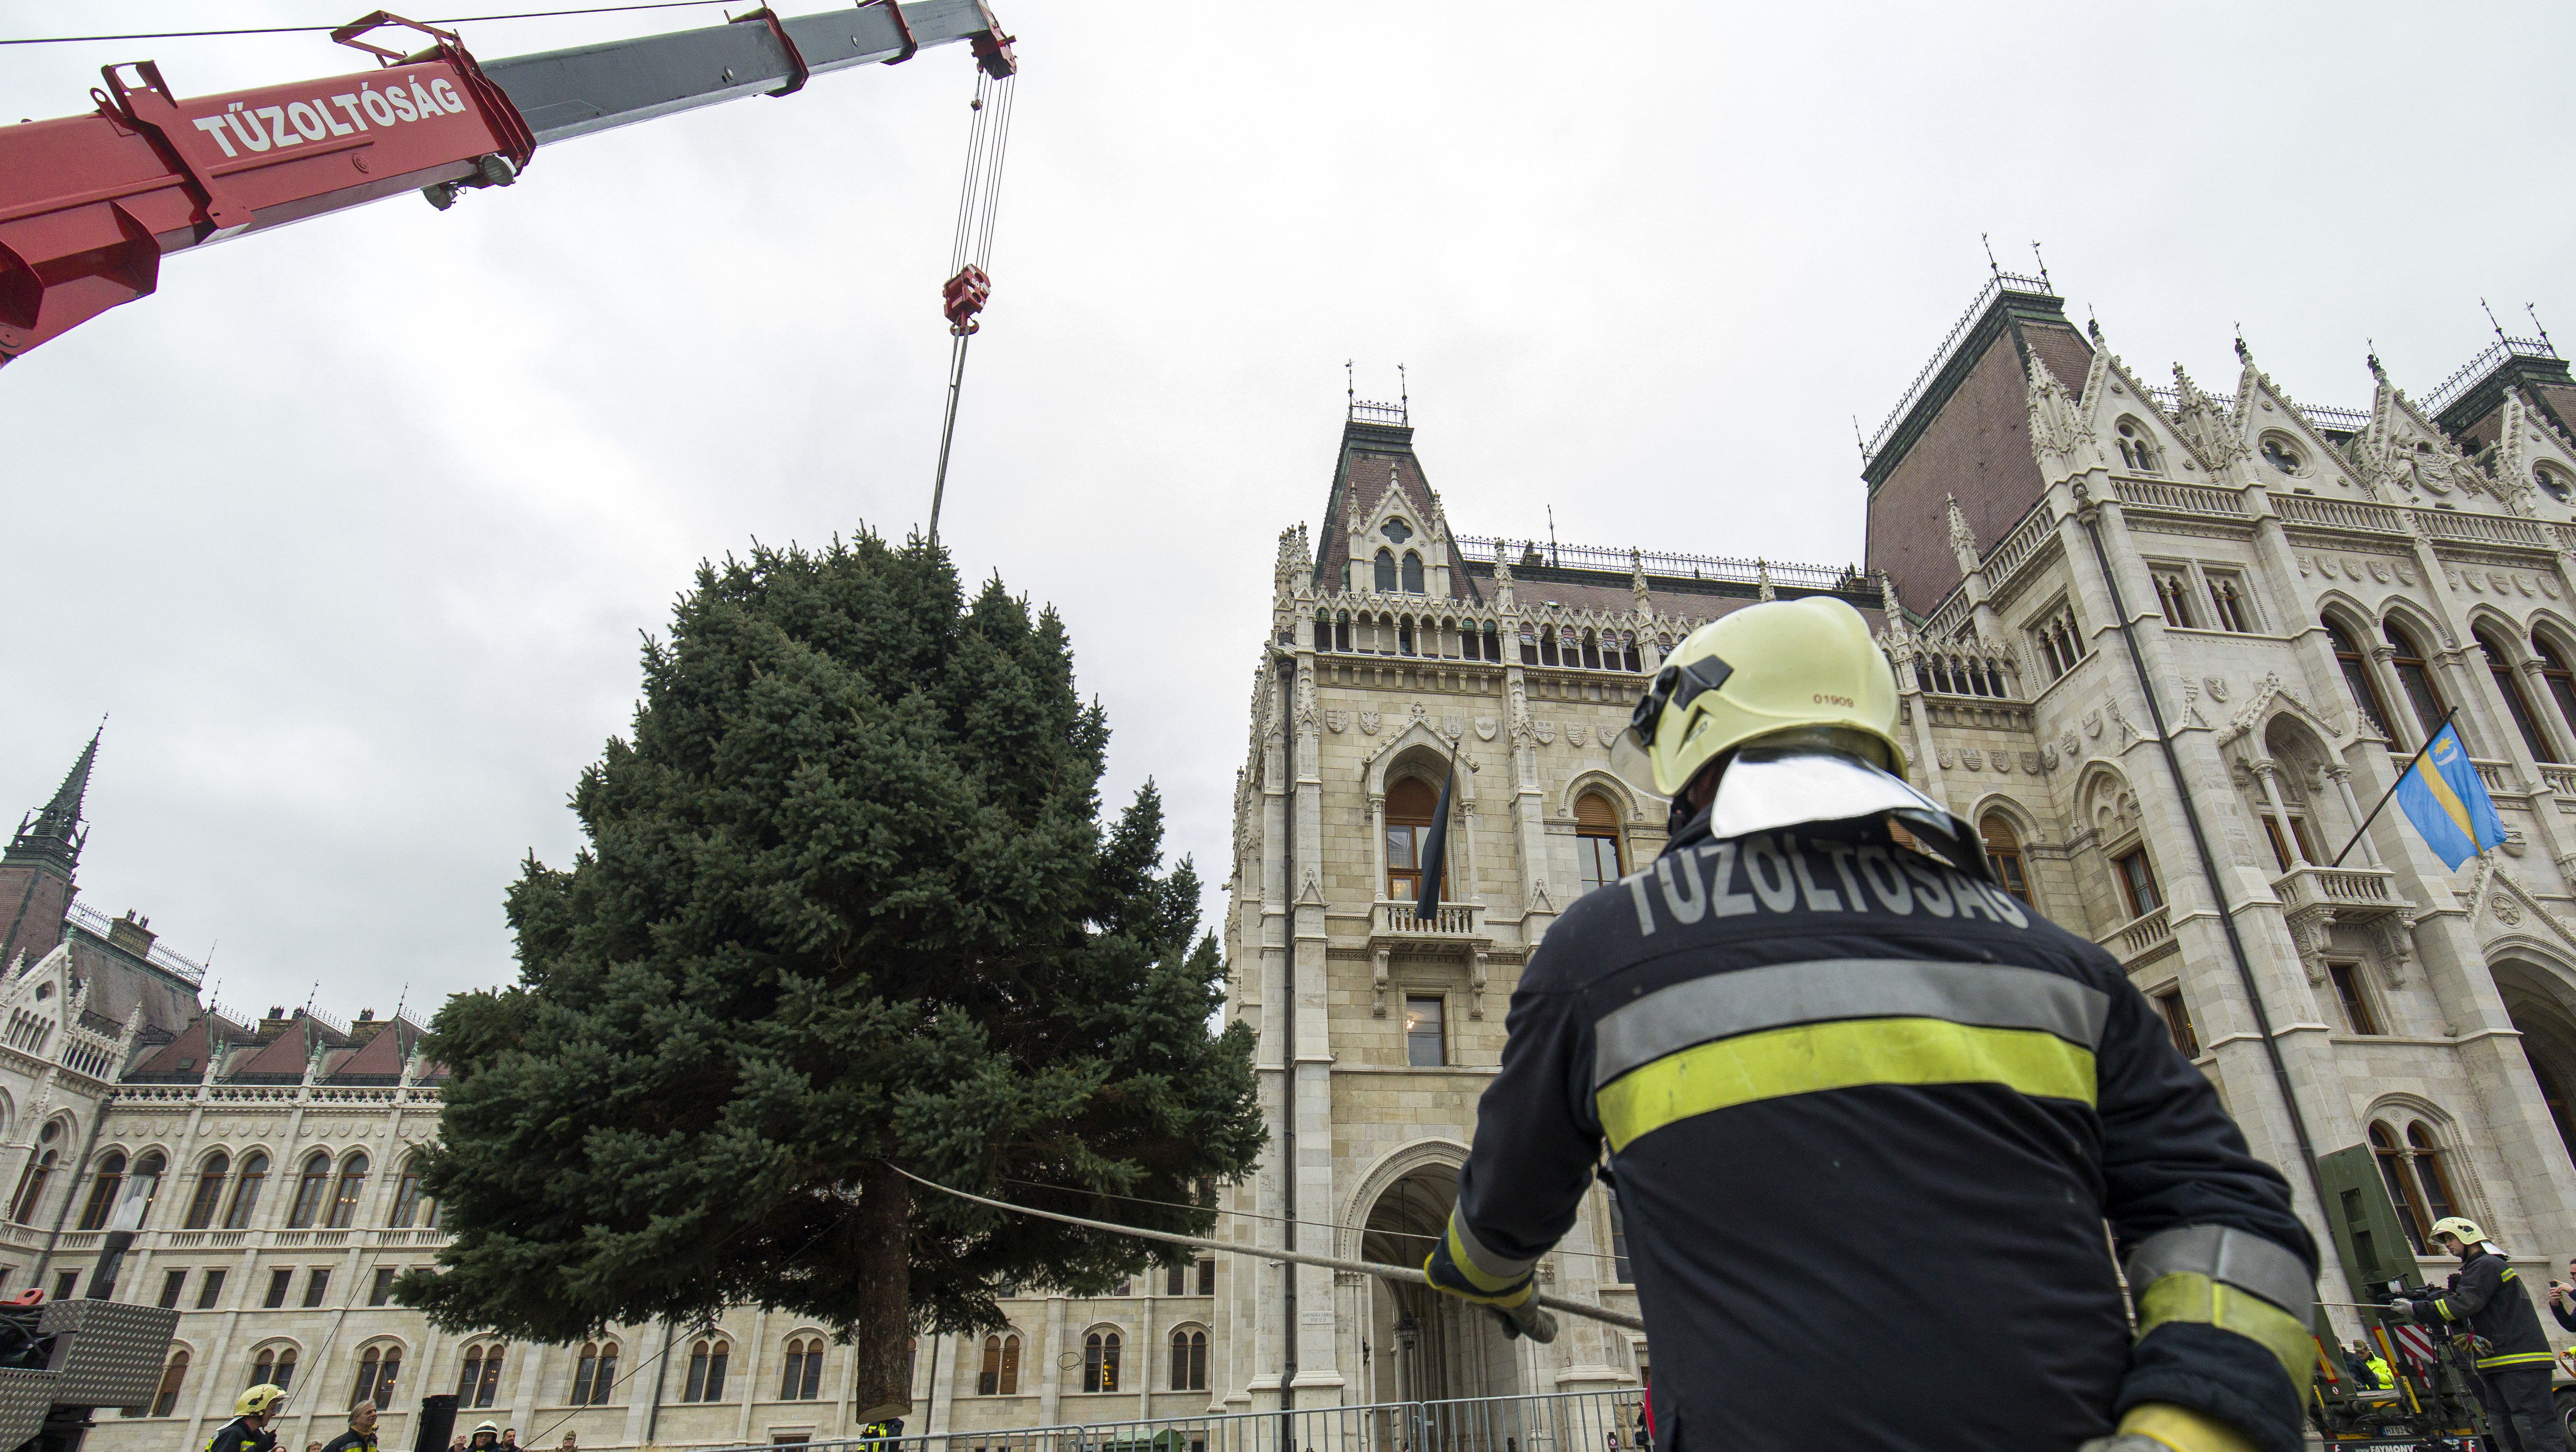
{"points": [[2486, 1296]]}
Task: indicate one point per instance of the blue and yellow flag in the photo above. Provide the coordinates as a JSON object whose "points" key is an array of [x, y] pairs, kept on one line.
{"points": [[2448, 804]]}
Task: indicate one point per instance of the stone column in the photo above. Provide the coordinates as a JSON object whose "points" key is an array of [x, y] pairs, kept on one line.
{"points": [[2266, 771], [2342, 778]]}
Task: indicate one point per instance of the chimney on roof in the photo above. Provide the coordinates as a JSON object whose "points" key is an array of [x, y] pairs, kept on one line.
{"points": [[276, 1023], [132, 934], [367, 1026]]}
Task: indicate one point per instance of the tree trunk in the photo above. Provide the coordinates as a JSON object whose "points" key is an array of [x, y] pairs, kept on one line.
{"points": [[880, 1237]]}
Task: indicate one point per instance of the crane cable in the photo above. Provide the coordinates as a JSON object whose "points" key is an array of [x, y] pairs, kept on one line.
{"points": [[1540, 1329], [970, 285]]}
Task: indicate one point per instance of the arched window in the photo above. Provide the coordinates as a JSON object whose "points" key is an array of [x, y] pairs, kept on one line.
{"points": [[1628, 660], [31, 1184], [353, 1183], [274, 1368], [1323, 632], [1493, 644], [144, 1181], [2173, 596], [1100, 1362], [2416, 678], [1189, 1360], [595, 1374], [2003, 850], [102, 1191], [803, 1381], [2356, 674], [246, 1187], [1591, 651], [1412, 573], [1547, 645], [378, 1369], [1386, 572], [2561, 683], [1404, 636], [2508, 684], [210, 1190], [2401, 1185], [707, 1371], [1468, 646], [1529, 645], [1410, 807], [1000, 1376], [1596, 840], [2138, 448], [2439, 1200], [480, 1379], [166, 1400], [310, 1188], [406, 1195]]}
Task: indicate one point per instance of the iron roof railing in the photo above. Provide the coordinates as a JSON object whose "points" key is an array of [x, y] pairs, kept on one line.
{"points": [[168, 960], [1366, 411], [1550, 555], [2476, 369], [1996, 286]]}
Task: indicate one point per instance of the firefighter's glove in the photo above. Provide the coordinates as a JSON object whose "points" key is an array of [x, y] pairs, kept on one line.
{"points": [[2400, 1310], [2164, 1427]]}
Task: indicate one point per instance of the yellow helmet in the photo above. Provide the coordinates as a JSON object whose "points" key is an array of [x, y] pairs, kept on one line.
{"points": [[258, 1401], [2467, 1230], [1789, 672]]}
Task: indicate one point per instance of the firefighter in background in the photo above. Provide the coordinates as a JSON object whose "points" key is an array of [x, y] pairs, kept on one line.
{"points": [[249, 1431], [1847, 1082], [2487, 1301]]}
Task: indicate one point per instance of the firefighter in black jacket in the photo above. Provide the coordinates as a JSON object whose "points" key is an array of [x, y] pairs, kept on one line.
{"points": [[2488, 1301], [1847, 1082]]}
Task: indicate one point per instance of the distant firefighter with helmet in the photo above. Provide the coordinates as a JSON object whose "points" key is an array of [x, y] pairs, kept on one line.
{"points": [[1846, 1081], [249, 1429], [2488, 1302]]}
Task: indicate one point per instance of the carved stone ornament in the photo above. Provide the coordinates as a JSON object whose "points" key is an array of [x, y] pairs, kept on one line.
{"points": [[2093, 724], [2309, 929], [2030, 763], [1337, 721], [2072, 748], [1576, 734], [2405, 573], [2307, 566], [2379, 571], [2003, 763], [2496, 578], [1485, 727], [2046, 756], [2549, 586], [1416, 712], [1371, 720], [2351, 568], [1545, 731], [1453, 727], [1942, 754], [2506, 910], [2217, 686], [2326, 566], [1971, 758]]}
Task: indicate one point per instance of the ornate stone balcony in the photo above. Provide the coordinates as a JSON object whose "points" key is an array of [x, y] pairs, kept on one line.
{"points": [[2314, 899], [2142, 939], [1454, 932]]}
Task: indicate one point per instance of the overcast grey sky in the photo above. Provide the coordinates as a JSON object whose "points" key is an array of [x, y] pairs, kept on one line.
{"points": [[353, 527]]}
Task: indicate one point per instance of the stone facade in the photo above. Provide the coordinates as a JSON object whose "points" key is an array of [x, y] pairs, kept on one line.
{"points": [[2301, 590]]}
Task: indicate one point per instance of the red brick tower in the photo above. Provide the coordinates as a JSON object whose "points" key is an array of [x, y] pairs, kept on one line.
{"points": [[1964, 429], [36, 871]]}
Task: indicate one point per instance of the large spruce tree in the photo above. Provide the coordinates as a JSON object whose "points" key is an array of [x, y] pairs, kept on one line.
{"points": [[847, 905]]}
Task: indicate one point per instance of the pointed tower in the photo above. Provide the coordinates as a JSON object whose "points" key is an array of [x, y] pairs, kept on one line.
{"points": [[36, 870]]}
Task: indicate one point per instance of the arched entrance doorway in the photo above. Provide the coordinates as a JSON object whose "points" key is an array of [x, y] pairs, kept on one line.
{"points": [[1429, 1347], [2543, 1011]]}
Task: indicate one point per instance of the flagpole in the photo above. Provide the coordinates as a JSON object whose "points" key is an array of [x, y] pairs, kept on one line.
{"points": [[2385, 796]]}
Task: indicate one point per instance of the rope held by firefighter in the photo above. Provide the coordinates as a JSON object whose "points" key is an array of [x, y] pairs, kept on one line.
{"points": [[969, 287], [1537, 1324]]}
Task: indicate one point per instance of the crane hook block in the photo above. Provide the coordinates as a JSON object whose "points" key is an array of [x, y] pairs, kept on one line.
{"points": [[964, 297]]}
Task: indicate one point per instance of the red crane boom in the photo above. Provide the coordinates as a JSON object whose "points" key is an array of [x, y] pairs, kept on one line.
{"points": [[90, 204]]}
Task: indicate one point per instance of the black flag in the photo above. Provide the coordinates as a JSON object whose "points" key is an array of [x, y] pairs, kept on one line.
{"points": [[1435, 851]]}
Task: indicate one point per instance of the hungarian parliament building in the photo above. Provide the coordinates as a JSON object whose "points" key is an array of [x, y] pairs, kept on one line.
{"points": [[2164, 645]]}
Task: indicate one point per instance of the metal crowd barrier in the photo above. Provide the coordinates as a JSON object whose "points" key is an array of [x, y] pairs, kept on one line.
{"points": [[1554, 1422]]}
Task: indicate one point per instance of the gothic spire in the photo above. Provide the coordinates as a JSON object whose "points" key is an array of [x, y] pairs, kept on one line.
{"points": [[53, 835]]}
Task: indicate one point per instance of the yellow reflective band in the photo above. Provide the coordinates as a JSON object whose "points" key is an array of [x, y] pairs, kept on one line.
{"points": [[2519, 1358], [2183, 1429], [1465, 1261], [2187, 1296], [1848, 1054], [2446, 1311]]}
